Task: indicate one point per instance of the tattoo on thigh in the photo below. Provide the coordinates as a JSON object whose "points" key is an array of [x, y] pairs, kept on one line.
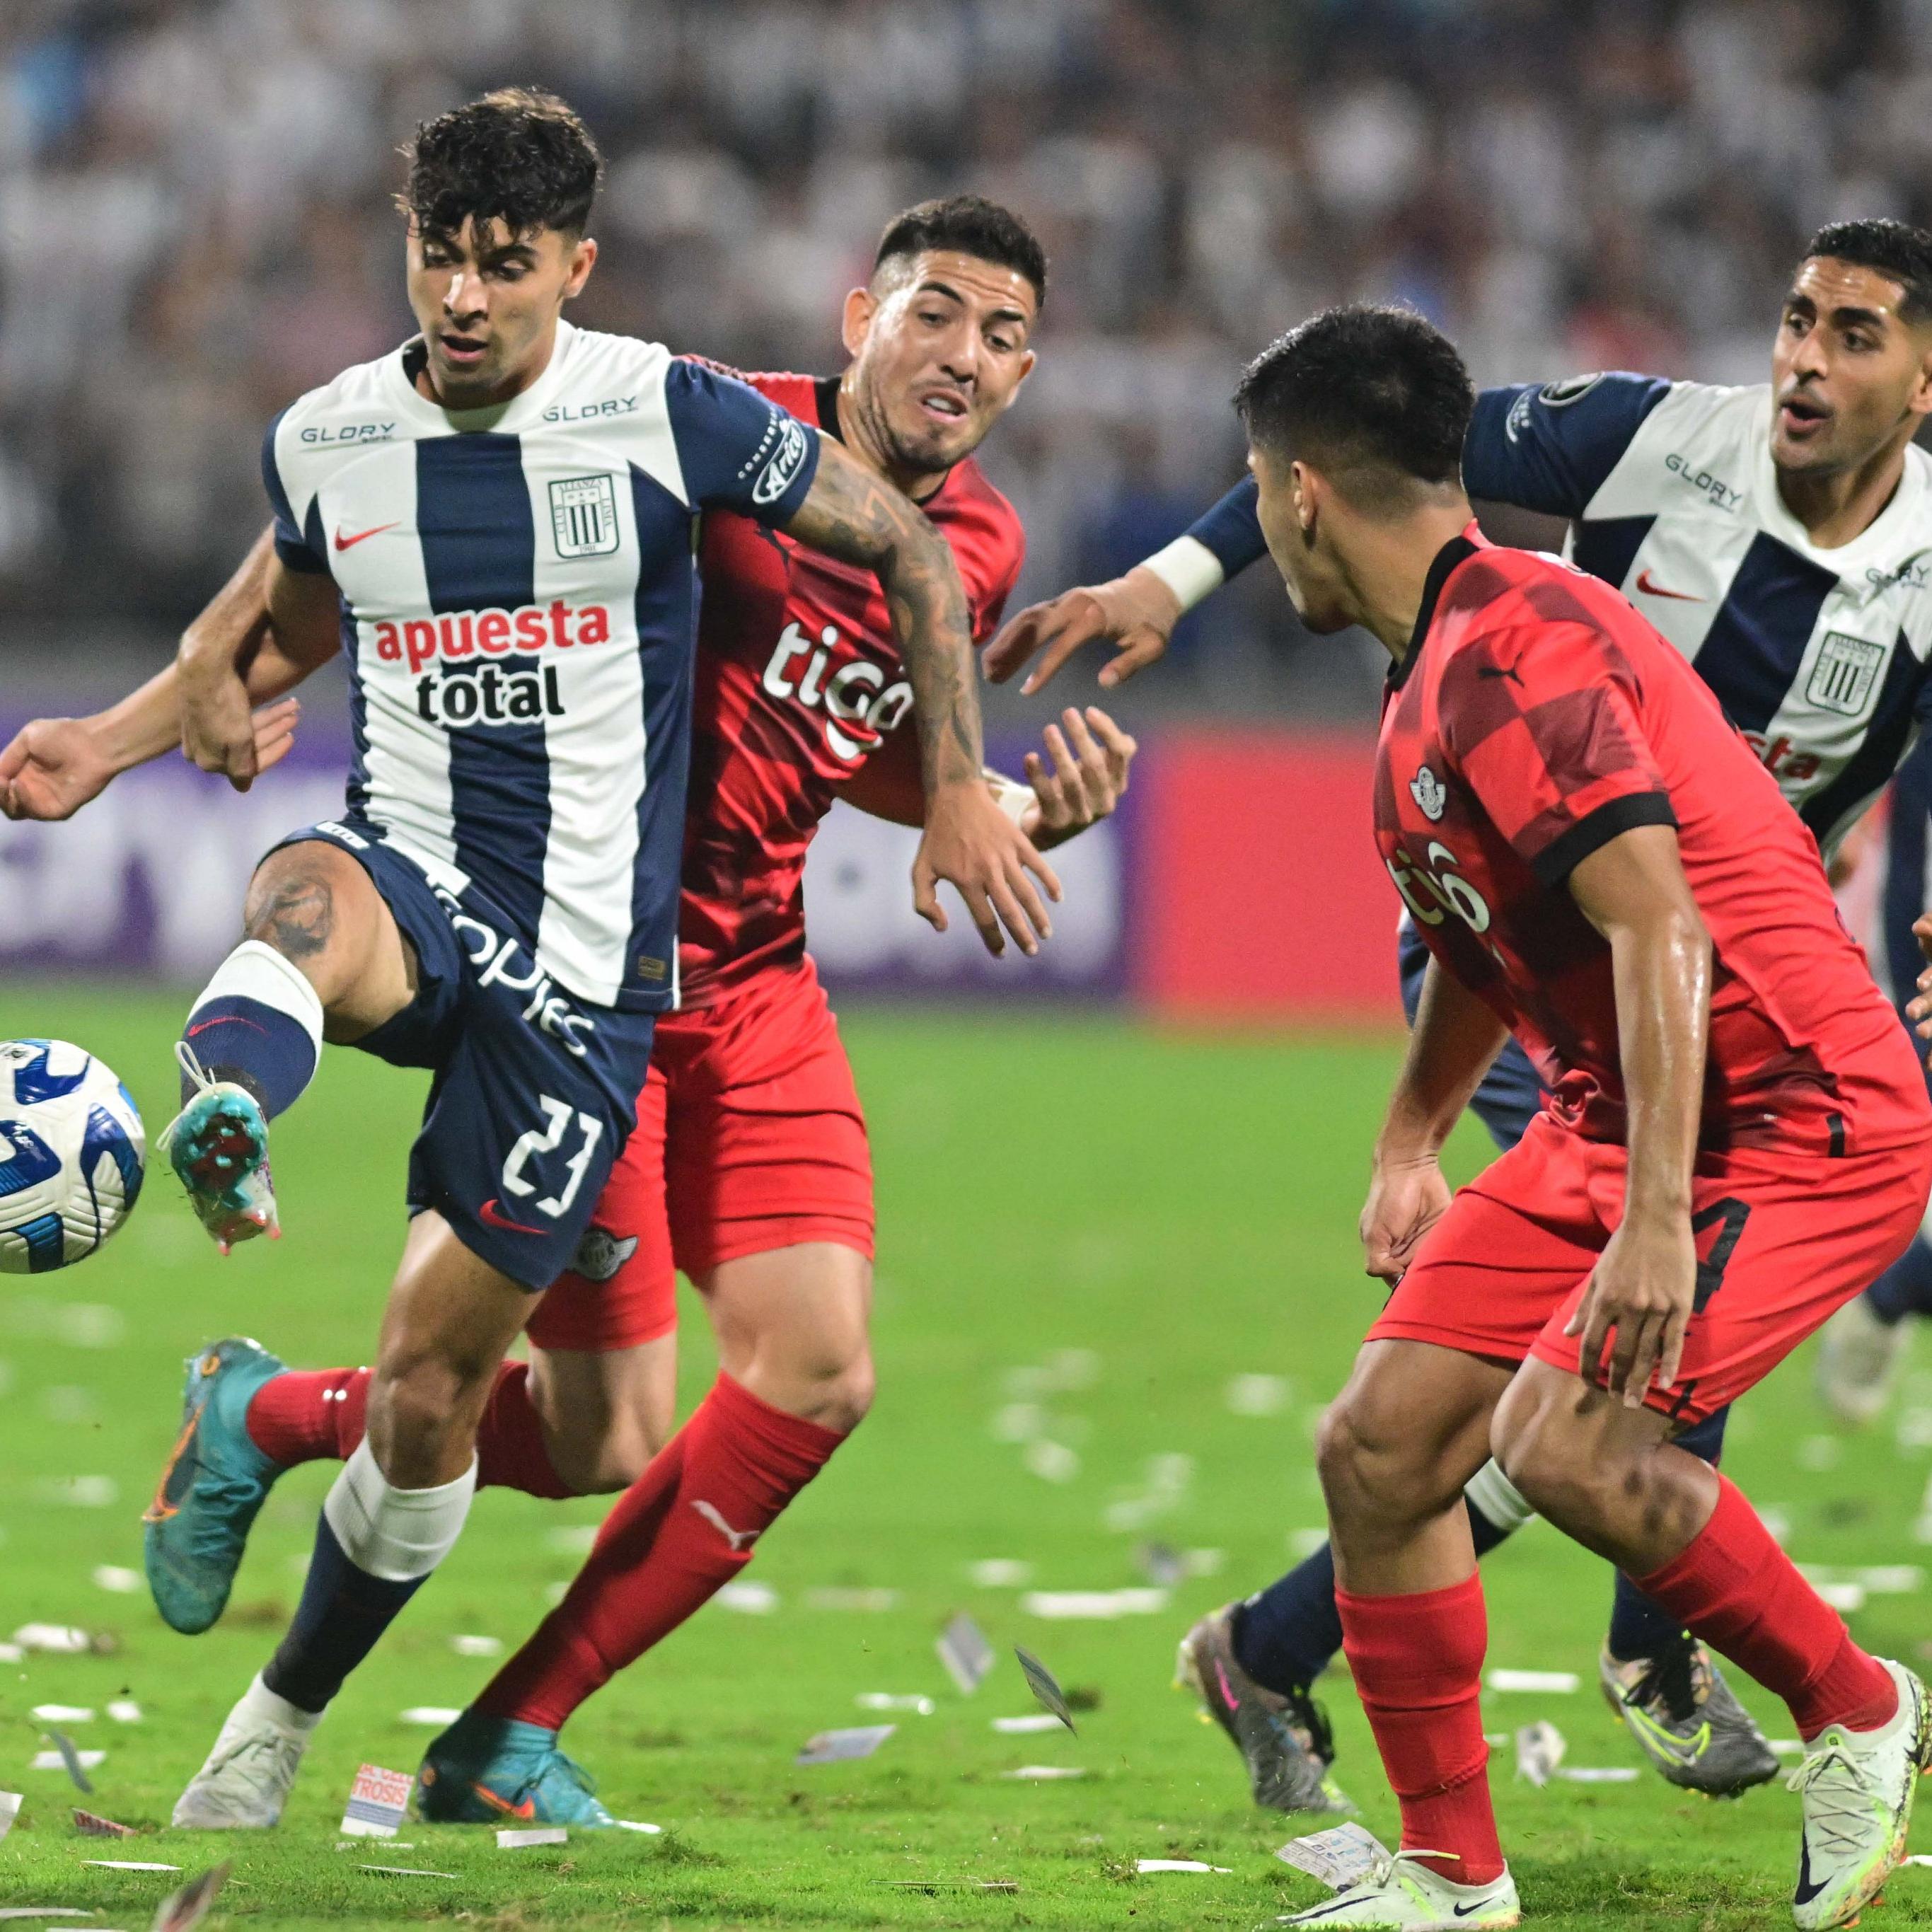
{"points": [[299, 919]]}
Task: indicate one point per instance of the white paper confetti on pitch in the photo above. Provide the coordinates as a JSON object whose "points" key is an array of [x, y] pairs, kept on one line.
{"points": [[1001, 1572], [1604, 1774], [866, 1603], [122, 1582], [46, 1912], [1539, 1750], [10, 1809], [79, 1492], [1819, 1452], [893, 1700], [1912, 1429], [477, 1646], [1787, 1746], [405, 1871], [59, 1639], [431, 1714], [1051, 1462], [1034, 1720], [124, 1711], [1205, 1562], [572, 1539], [1556, 1682], [517, 1841], [1093, 1605], [129, 1864], [1304, 1543], [1338, 1856], [634, 1825], [1259, 1395], [836, 1747], [1044, 1773], [377, 1800], [1018, 1422], [1776, 1522], [1919, 1858], [1890, 1580], [11, 1653], [1161, 1564], [53, 1760], [1844, 1597], [749, 1598], [967, 1655], [62, 1713], [1176, 1865]]}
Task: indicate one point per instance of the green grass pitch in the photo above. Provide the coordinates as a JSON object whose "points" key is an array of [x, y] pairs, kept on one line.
{"points": [[1183, 1207]]}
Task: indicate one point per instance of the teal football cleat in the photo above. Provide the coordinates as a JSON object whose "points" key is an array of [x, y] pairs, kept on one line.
{"points": [[496, 1771], [218, 1146], [215, 1482]]}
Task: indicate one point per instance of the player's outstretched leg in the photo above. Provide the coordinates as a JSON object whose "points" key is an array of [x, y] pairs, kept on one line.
{"points": [[796, 1379], [215, 1483], [1665, 1687], [394, 1514], [1863, 1344]]}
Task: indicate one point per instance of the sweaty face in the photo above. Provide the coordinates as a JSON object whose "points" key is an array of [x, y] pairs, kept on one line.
{"points": [[1845, 369], [488, 303], [939, 349], [1314, 586]]}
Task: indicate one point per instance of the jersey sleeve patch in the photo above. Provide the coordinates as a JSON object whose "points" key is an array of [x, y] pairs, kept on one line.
{"points": [[299, 544], [737, 450], [1550, 737], [1550, 447]]}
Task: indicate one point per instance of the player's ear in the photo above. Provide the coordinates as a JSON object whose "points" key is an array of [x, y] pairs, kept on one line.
{"points": [[1919, 402], [856, 324], [583, 259], [1304, 495]]}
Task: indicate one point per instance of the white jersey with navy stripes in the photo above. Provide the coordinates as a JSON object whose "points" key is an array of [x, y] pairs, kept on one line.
{"points": [[1818, 656], [519, 597]]}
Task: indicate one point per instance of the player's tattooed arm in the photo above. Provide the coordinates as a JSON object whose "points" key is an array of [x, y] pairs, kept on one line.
{"points": [[1455, 1038], [1632, 889], [55, 766], [852, 514], [267, 629]]}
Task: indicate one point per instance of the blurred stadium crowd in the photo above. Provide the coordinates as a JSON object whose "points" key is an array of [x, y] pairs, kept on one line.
{"points": [[195, 227]]}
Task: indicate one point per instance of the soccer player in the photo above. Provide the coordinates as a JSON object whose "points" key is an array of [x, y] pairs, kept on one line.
{"points": [[749, 1168], [496, 523], [1776, 534], [1738, 1136]]}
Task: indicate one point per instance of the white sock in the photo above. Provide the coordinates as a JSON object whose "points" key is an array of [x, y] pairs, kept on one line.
{"points": [[398, 1535], [258, 1701]]}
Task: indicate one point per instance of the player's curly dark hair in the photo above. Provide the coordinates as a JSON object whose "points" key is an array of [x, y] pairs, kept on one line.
{"points": [[970, 225], [517, 155], [1376, 397], [1894, 249]]}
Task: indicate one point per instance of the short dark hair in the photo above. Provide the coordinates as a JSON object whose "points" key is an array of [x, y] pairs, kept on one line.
{"points": [[970, 225], [1893, 249], [1376, 397], [518, 155]]}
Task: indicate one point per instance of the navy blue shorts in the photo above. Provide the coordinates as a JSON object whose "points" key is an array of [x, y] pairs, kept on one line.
{"points": [[1511, 1095], [536, 1091]]}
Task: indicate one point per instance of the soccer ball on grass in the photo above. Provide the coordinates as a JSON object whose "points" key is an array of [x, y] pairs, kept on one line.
{"points": [[72, 1153]]}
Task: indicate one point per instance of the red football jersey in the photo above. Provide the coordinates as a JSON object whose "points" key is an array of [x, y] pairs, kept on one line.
{"points": [[1537, 716], [798, 681]]}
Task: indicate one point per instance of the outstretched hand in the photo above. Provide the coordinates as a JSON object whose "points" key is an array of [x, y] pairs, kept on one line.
{"points": [[973, 846], [52, 768], [1136, 613], [1086, 777]]}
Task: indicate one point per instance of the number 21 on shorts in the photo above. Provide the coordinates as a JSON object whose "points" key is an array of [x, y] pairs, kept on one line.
{"points": [[546, 1140]]}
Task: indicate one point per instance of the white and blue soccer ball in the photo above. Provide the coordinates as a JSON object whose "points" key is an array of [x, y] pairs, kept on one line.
{"points": [[72, 1151]]}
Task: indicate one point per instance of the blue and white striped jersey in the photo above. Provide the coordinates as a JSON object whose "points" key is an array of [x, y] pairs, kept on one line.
{"points": [[1818, 656], [519, 606]]}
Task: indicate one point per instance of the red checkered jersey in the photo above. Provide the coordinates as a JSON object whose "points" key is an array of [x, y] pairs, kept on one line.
{"points": [[1535, 717], [798, 681]]}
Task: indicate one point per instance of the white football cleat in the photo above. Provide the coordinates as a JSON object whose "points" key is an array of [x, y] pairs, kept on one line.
{"points": [[1858, 1356], [1400, 1894], [1857, 1786], [245, 1781]]}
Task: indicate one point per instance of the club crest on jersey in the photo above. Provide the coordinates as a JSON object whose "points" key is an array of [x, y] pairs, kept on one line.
{"points": [[1843, 679], [1429, 792], [583, 515], [601, 1254]]}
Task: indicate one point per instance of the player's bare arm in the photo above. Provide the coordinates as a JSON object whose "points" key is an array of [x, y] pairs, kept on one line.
{"points": [[1634, 891], [1455, 1038], [1081, 780], [55, 766], [853, 514]]}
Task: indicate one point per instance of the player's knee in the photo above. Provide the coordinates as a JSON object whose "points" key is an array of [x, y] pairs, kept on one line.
{"points": [[422, 1407], [1370, 1464], [304, 902], [1538, 1444]]}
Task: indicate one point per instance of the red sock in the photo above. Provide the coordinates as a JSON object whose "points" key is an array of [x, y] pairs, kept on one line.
{"points": [[1732, 1586], [1418, 1665], [680, 1532], [309, 1416]]}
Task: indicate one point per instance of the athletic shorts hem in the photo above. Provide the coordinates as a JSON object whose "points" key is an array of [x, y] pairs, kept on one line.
{"points": [[780, 1231]]}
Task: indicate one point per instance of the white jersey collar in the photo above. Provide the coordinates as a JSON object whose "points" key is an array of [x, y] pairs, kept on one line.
{"points": [[522, 412]]}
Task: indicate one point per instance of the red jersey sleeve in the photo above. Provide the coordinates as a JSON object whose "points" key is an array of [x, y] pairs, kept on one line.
{"points": [[1546, 725]]}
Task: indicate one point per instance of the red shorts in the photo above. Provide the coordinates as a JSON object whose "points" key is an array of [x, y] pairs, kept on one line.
{"points": [[749, 1137], [1785, 1237]]}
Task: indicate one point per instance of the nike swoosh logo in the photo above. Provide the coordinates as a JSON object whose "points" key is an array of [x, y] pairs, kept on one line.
{"points": [[492, 1215], [1227, 1689], [1650, 587], [527, 1809], [1683, 1750], [361, 536], [1807, 1891]]}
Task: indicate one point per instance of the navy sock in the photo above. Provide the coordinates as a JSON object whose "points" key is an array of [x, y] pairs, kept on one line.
{"points": [[1284, 1637], [1905, 1288], [258, 1024], [1638, 1626], [344, 1610]]}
